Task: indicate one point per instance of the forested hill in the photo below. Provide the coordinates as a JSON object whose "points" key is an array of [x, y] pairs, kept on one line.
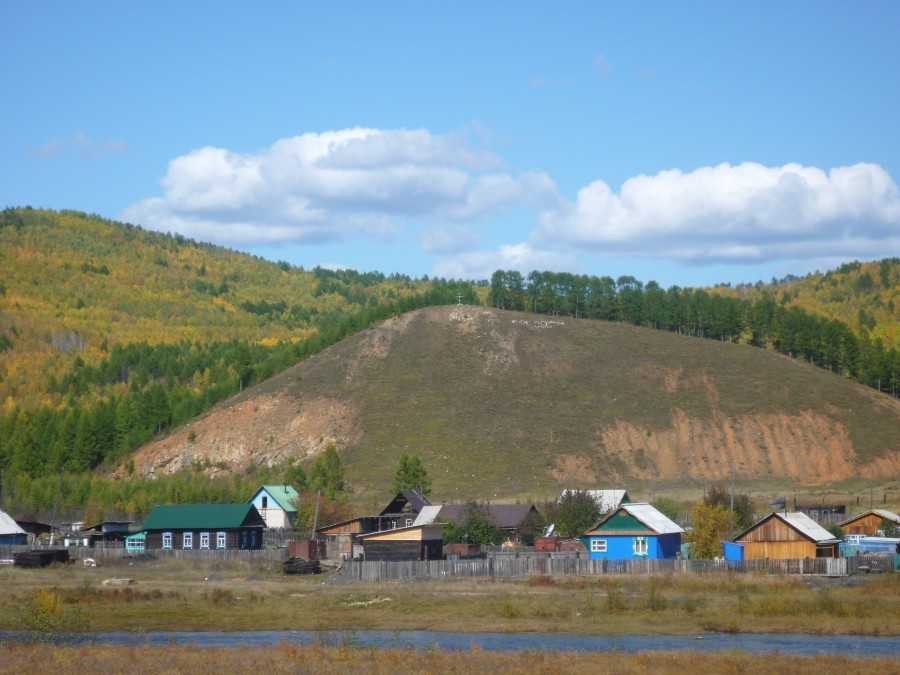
{"points": [[110, 334]]}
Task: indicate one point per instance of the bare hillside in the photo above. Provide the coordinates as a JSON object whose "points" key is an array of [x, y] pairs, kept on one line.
{"points": [[499, 403]]}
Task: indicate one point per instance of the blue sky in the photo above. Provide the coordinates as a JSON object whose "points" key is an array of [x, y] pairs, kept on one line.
{"points": [[689, 143]]}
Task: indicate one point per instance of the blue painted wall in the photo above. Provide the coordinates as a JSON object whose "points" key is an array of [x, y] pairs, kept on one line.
{"points": [[733, 551], [621, 547]]}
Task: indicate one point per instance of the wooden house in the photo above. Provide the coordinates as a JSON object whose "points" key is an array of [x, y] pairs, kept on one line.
{"points": [[402, 510], [10, 532], [108, 534], [508, 517], [869, 523], [275, 504], [783, 536], [204, 527], [634, 531], [416, 542]]}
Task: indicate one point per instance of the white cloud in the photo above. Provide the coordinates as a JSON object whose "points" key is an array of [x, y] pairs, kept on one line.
{"points": [[334, 185], [482, 264], [446, 239], [747, 212]]}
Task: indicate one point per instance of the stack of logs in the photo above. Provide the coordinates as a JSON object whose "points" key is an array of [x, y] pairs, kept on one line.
{"points": [[301, 566], [40, 558]]}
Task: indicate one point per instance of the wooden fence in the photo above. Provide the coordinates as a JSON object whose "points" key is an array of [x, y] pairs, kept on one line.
{"points": [[517, 566]]}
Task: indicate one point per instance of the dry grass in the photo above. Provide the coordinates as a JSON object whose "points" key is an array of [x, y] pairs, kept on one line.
{"points": [[287, 658], [175, 596]]}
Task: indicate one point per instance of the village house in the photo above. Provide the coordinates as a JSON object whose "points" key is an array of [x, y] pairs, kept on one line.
{"points": [[276, 505], [634, 531], [204, 527], [402, 510], [508, 517], [783, 536], [338, 540], [10, 532], [108, 534], [869, 523]]}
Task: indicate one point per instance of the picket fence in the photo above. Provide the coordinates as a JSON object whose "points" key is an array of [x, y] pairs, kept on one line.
{"points": [[525, 565], [100, 554]]}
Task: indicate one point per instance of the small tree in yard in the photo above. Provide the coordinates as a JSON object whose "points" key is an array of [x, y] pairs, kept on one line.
{"points": [[709, 526], [532, 528], [575, 512], [477, 527]]}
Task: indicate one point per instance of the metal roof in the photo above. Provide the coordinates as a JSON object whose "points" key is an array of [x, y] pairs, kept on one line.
{"points": [[646, 513], [806, 526], [506, 516], [284, 496], [427, 515], [607, 500], [202, 516], [881, 513], [9, 526]]}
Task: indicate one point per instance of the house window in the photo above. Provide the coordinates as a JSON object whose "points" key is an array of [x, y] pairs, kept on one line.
{"points": [[641, 546], [252, 538], [409, 522], [220, 540], [187, 540], [265, 502], [598, 545], [167, 540], [204, 540]]}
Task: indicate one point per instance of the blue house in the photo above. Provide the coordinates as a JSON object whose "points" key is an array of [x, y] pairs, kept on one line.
{"points": [[275, 504], [10, 532], [634, 532]]}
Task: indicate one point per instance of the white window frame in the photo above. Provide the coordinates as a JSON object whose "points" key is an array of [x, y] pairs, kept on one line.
{"points": [[167, 540], [187, 540], [598, 545], [409, 522], [641, 546], [221, 540], [204, 540]]}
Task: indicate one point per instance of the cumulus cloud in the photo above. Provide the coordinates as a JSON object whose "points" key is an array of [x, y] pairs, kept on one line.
{"points": [[482, 264], [445, 239], [334, 185], [747, 212]]}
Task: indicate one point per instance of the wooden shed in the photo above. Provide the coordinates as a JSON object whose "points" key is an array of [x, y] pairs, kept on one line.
{"points": [[784, 536], [338, 540], [869, 523], [416, 542]]}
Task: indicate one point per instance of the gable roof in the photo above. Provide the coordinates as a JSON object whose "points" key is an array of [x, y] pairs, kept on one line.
{"points": [[203, 516], [646, 514], [506, 516], [800, 523], [414, 498], [9, 526], [427, 515], [284, 496], [881, 513]]}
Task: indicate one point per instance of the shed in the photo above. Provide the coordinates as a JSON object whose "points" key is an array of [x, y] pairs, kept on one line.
{"points": [[204, 526], [10, 532], [136, 543], [275, 504], [339, 539], [416, 542], [634, 531], [869, 523], [783, 536]]}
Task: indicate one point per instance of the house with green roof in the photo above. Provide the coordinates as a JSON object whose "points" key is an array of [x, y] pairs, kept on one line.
{"points": [[276, 504], [204, 527]]}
